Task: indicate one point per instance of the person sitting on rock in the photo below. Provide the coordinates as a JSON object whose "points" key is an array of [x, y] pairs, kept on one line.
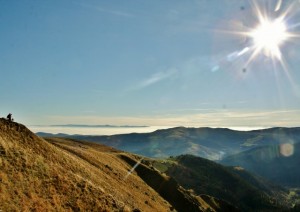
{"points": [[9, 117]]}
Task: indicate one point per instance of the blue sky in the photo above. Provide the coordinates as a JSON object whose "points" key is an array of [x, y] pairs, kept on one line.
{"points": [[139, 62]]}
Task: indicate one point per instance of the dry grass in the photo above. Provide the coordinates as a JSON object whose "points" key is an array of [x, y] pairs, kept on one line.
{"points": [[36, 175]]}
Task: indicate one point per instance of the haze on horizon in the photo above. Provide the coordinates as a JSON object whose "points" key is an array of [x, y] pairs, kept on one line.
{"points": [[154, 63]]}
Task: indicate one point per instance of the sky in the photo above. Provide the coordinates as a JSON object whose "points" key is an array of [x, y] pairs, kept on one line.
{"points": [[133, 62]]}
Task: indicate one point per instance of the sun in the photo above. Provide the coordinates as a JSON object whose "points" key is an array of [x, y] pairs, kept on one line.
{"points": [[266, 36], [269, 35]]}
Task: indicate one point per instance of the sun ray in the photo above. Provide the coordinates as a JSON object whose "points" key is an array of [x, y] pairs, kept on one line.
{"points": [[257, 10], [277, 78], [284, 65], [252, 57], [289, 12], [293, 26]]}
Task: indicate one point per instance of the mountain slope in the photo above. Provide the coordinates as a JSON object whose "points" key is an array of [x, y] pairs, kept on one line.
{"points": [[36, 175], [208, 143], [279, 163], [234, 185], [64, 174]]}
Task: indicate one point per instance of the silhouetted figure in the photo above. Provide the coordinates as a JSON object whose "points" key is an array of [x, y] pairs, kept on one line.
{"points": [[9, 117]]}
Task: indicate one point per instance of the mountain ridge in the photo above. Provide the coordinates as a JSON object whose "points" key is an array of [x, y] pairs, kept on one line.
{"points": [[210, 143]]}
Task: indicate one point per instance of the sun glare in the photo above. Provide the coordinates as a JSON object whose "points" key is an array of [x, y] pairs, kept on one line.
{"points": [[265, 33], [269, 35]]}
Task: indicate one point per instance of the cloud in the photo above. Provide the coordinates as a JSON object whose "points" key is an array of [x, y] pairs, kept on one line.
{"points": [[115, 12], [199, 118], [88, 111], [155, 78], [105, 10], [184, 70]]}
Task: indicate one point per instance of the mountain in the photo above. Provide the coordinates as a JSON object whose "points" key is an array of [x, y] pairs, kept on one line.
{"points": [[232, 184], [210, 143], [97, 126], [60, 135], [279, 163], [68, 175]]}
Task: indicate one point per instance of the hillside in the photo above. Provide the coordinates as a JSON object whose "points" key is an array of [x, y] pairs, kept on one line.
{"points": [[279, 163], [210, 143], [235, 185], [67, 175]]}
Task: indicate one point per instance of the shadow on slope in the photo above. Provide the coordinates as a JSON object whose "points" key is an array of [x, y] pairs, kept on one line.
{"points": [[278, 163], [235, 186], [181, 199]]}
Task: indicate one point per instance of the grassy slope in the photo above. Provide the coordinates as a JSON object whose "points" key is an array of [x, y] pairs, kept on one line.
{"points": [[36, 175]]}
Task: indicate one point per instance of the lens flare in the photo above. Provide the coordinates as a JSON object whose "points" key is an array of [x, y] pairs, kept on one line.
{"points": [[287, 149], [133, 168], [278, 5]]}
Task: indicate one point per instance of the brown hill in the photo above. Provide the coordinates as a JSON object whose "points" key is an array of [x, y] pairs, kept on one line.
{"points": [[68, 175]]}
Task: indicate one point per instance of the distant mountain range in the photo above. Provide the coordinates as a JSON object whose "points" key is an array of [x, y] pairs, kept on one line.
{"points": [[210, 143], [95, 126], [279, 163]]}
